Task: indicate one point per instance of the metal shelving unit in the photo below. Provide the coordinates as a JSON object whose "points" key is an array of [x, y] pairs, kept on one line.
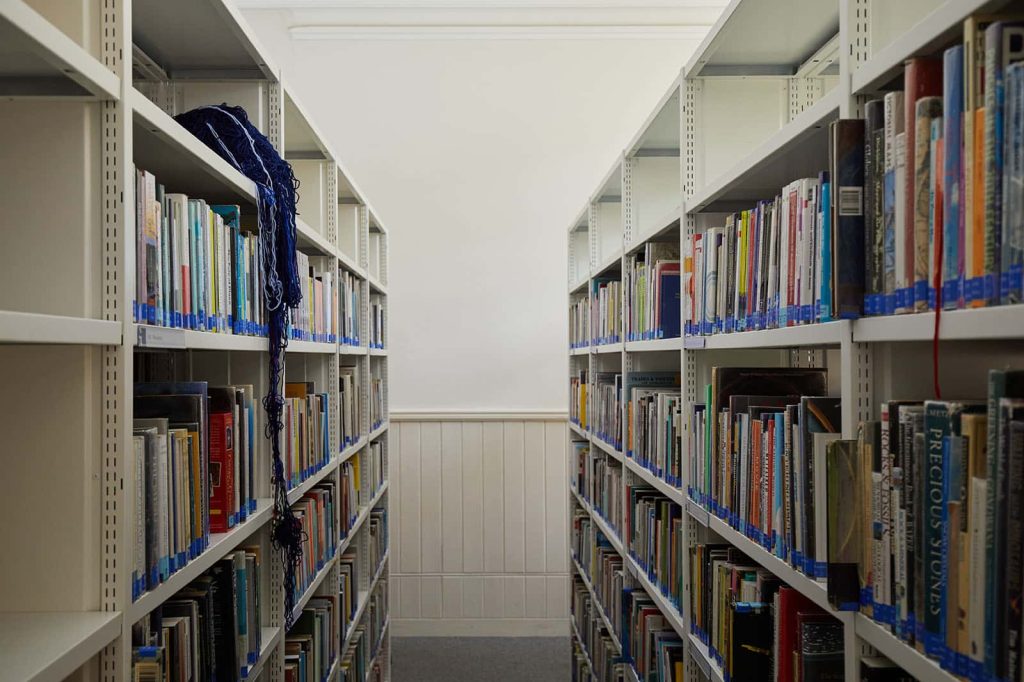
{"points": [[99, 82], [749, 116]]}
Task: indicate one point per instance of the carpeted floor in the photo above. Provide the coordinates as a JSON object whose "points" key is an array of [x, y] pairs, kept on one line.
{"points": [[480, 659]]}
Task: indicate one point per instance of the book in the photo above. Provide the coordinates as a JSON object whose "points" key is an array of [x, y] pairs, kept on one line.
{"points": [[847, 168], [844, 529]]}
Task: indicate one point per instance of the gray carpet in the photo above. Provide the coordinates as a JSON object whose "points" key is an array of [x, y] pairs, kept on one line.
{"points": [[480, 659]]}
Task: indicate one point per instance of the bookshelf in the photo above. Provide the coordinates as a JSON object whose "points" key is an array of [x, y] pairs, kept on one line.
{"points": [[746, 116], [97, 84]]}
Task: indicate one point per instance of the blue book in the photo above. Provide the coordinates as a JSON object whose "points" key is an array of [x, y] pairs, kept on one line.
{"points": [[825, 253], [952, 194], [669, 309], [936, 429], [846, 158]]}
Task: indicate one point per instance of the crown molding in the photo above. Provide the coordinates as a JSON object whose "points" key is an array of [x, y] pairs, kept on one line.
{"points": [[498, 32], [634, 5]]}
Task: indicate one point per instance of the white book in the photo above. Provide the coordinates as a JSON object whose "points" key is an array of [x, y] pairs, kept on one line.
{"points": [[976, 617], [711, 254], [139, 457], [821, 441], [903, 278]]}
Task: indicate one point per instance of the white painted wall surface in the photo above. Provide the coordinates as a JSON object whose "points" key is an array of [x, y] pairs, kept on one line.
{"points": [[477, 153]]}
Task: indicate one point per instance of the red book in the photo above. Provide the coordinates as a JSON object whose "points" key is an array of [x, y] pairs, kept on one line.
{"points": [[922, 77], [791, 602], [222, 465]]}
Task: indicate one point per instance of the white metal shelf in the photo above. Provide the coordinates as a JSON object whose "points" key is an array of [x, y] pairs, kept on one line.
{"points": [[697, 512], [597, 603], [296, 493], [151, 336], [580, 285], [38, 647], [379, 352], [654, 345], [310, 239], [702, 657], [660, 227], [352, 449], [220, 43], [376, 286], [757, 38], [364, 513], [347, 263], [269, 638], [582, 350], [662, 486], [812, 589], [180, 161], [609, 264], [906, 656], [667, 608], [380, 646], [579, 431], [35, 328], [318, 580], [821, 334], [938, 29], [606, 348], [976, 324], [613, 451], [583, 646], [347, 349], [364, 599], [220, 545], [38, 59], [379, 431], [798, 149], [606, 530], [298, 346]]}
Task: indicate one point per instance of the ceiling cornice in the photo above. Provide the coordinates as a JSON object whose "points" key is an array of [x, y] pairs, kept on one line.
{"points": [[497, 32], [636, 5]]}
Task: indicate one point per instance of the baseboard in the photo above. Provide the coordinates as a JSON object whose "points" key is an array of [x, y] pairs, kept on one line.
{"points": [[477, 415], [480, 627]]}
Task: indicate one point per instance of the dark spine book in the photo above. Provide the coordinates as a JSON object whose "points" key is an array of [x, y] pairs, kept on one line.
{"points": [[750, 641], [1001, 383], [936, 429], [224, 609], [844, 532], [1011, 442], [821, 648], [847, 169], [874, 153]]}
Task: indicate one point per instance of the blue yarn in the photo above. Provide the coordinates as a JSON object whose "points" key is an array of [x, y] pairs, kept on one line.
{"points": [[228, 132]]}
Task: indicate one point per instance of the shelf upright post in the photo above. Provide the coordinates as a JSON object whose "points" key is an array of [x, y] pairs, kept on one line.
{"points": [[688, 160], [117, 472]]}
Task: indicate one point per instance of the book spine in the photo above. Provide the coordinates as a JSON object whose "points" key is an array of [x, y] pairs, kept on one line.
{"points": [[995, 567], [849, 224], [936, 427], [953, 104]]}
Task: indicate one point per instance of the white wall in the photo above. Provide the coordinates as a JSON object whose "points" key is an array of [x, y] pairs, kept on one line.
{"points": [[476, 153]]}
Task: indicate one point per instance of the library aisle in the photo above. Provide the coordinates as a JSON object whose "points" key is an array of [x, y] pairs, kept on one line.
{"points": [[499, 341]]}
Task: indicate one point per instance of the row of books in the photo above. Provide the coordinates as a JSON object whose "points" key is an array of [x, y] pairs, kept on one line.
{"points": [[210, 630], [349, 308], [649, 641], [605, 311], [578, 399], [377, 411], [756, 627], [306, 433], [757, 458], [654, 537], [193, 454], [595, 639], [350, 380], [579, 322], [600, 481], [604, 567], [376, 322], [770, 266], [311, 645], [942, 169], [314, 319], [348, 591], [315, 512], [653, 407], [651, 284], [360, 662], [935, 550], [195, 266], [606, 408]]}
